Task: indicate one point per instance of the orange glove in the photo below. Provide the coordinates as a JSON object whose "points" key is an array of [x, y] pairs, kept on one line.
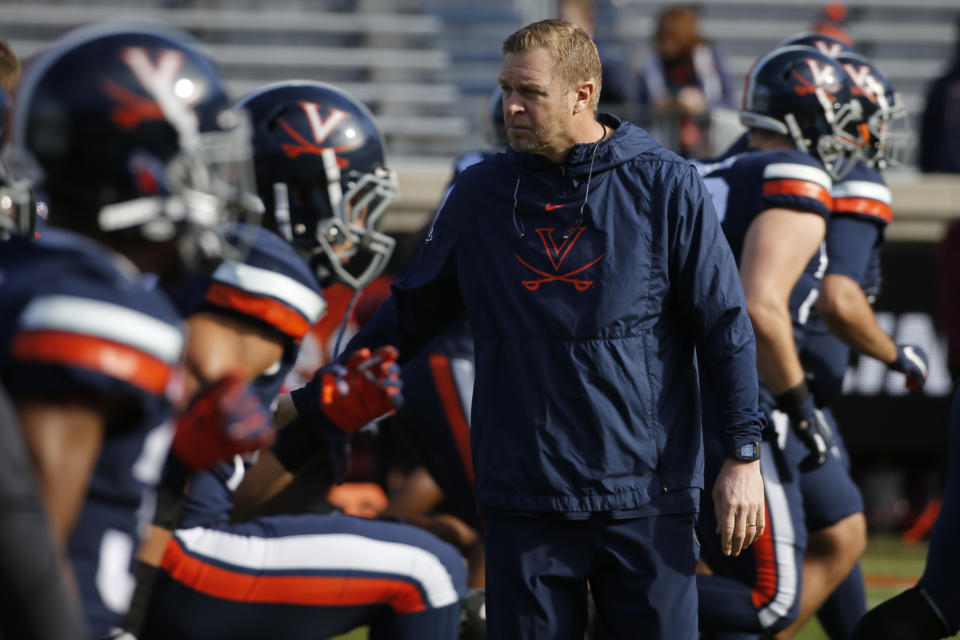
{"points": [[364, 389], [223, 420]]}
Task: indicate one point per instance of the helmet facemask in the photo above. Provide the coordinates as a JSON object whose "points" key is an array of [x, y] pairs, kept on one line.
{"points": [[894, 139], [842, 147], [347, 246]]}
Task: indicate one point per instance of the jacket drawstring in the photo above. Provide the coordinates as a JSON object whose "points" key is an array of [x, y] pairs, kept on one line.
{"points": [[586, 194], [518, 223]]}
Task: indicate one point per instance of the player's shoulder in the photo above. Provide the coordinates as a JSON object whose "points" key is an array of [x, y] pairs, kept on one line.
{"points": [[91, 325], [479, 171], [466, 160], [788, 164], [863, 193], [65, 264]]}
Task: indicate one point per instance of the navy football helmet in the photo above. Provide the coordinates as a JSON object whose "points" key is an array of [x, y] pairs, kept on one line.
{"points": [[496, 127], [827, 45], [127, 129], [883, 111], [321, 173], [802, 93]]}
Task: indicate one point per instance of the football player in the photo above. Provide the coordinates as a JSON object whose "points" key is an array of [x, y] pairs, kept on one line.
{"points": [[842, 318], [774, 200], [321, 173], [118, 123]]}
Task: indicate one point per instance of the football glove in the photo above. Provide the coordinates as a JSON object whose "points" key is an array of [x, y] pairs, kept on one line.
{"points": [[912, 362], [223, 420], [808, 425], [366, 387]]}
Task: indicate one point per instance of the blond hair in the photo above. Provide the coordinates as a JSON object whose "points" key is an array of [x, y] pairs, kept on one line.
{"points": [[574, 54], [9, 67]]}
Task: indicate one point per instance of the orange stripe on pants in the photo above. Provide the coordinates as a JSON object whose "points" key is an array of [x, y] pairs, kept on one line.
{"points": [[447, 390]]}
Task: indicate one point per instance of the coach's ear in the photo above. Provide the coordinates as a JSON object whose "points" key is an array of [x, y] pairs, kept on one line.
{"points": [[584, 93]]}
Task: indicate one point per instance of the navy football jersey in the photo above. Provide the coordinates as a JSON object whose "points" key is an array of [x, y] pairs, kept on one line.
{"points": [[745, 185], [274, 288], [78, 321], [854, 237]]}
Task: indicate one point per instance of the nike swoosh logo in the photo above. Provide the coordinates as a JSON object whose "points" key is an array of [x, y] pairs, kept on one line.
{"points": [[551, 207]]}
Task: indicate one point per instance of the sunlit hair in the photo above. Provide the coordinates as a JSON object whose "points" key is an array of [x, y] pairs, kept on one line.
{"points": [[574, 54], [679, 25], [9, 68]]}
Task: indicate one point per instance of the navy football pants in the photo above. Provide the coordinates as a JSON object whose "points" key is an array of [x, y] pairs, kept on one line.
{"points": [[306, 576], [640, 572]]}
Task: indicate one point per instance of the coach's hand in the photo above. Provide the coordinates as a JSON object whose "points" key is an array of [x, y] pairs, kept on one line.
{"points": [[912, 362], [738, 499]]}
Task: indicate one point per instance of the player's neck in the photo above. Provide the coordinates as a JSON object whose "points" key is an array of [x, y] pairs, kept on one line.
{"points": [[769, 140]]}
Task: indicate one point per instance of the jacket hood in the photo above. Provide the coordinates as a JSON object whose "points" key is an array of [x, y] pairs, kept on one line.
{"points": [[626, 142]]}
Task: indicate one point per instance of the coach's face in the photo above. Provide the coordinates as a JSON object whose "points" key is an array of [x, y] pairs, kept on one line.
{"points": [[538, 108]]}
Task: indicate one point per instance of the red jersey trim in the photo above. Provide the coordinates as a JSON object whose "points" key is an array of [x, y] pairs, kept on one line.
{"points": [[800, 188], [96, 354], [864, 206], [268, 310]]}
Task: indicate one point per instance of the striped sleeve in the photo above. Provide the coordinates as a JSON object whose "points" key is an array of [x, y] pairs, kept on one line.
{"points": [[99, 337], [864, 199], [266, 295], [797, 186]]}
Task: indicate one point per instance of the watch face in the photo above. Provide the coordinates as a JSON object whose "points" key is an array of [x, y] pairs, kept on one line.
{"points": [[748, 451]]}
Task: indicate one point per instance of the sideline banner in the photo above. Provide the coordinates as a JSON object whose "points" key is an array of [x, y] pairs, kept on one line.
{"points": [[876, 414]]}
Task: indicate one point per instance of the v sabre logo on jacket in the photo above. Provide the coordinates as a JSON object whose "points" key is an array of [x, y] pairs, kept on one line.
{"points": [[556, 254]]}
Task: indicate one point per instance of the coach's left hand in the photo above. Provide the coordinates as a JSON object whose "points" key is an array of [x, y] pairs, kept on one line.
{"points": [[738, 499]]}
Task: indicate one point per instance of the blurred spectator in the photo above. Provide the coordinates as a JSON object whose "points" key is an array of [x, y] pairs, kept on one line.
{"points": [[682, 81], [9, 68], [832, 22], [616, 84], [940, 127]]}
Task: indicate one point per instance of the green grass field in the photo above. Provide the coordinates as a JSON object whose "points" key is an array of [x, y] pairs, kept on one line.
{"points": [[888, 566]]}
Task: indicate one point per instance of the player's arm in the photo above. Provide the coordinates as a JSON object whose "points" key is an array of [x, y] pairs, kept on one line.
{"points": [[36, 602], [778, 246], [63, 441], [845, 308], [849, 316]]}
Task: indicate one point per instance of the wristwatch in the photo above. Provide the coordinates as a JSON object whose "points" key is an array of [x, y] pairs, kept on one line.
{"points": [[746, 452]]}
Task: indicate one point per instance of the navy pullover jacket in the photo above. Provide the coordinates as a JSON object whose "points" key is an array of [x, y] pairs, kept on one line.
{"points": [[586, 398]]}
